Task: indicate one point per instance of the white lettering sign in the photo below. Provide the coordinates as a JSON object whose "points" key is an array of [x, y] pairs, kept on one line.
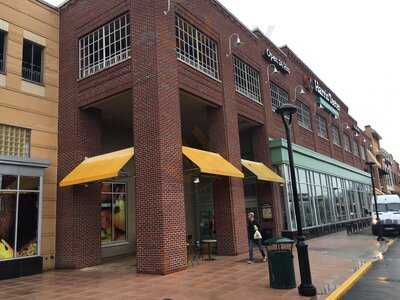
{"points": [[280, 64], [324, 94]]}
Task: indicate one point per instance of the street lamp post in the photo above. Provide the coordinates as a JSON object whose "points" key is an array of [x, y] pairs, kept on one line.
{"points": [[306, 287], [378, 220]]}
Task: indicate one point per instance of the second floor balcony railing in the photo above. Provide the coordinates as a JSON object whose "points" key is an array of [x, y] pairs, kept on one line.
{"points": [[31, 72]]}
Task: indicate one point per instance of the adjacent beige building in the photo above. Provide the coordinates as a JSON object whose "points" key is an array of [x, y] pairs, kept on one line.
{"points": [[29, 60]]}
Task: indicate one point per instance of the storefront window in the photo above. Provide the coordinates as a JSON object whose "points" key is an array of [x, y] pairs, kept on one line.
{"points": [[113, 212], [19, 216]]}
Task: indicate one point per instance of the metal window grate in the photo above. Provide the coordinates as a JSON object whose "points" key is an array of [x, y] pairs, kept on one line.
{"points": [[247, 80], [105, 47], [346, 143], [304, 115], [14, 141], [322, 127], [279, 96], [355, 148], [335, 136], [2, 50], [196, 49], [362, 152], [32, 61]]}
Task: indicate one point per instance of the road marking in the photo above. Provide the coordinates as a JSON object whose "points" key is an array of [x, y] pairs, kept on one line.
{"points": [[353, 279]]}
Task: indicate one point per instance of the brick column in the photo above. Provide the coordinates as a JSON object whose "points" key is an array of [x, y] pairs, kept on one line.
{"points": [[78, 207], [267, 192], [160, 205], [229, 202]]}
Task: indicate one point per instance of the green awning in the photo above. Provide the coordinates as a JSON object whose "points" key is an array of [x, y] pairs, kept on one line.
{"points": [[327, 106]]}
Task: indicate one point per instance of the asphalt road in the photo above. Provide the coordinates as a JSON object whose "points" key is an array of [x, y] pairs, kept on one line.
{"points": [[382, 281]]}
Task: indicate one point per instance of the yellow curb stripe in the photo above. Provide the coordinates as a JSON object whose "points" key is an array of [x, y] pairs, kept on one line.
{"points": [[350, 282]]}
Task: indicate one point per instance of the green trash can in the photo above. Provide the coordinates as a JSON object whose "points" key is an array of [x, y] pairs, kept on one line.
{"points": [[280, 263]]}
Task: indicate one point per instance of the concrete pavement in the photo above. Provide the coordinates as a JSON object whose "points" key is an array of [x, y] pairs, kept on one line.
{"points": [[333, 259]]}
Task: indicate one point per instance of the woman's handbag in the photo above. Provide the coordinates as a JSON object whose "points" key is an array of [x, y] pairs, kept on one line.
{"points": [[257, 234]]}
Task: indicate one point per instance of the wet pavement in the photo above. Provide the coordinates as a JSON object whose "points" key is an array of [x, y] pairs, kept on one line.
{"points": [[333, 259], [382, 281]]}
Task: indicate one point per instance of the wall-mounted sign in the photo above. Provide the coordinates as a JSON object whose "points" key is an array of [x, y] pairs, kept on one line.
{"points": [[279, 64], [267, 211], [325, 98]]}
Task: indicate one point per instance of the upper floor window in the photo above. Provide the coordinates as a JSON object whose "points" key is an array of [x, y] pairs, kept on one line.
{"points": [[335, 136], [278, 95], [362, 152], [322, 127], [14, 141], [346, 142], [196, 49], [105, 47], [2, 50], [32, 58], [247, 80], [355, 148], [304, 115]]}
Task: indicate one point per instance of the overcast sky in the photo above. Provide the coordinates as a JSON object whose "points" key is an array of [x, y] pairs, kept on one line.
{"points": [[353, 46]]}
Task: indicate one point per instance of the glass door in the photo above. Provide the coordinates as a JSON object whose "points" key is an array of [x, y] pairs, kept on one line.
{"points": [[113, 212]]}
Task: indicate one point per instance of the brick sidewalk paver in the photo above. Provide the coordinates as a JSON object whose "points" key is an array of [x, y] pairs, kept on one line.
{"points": [[333, 259]]}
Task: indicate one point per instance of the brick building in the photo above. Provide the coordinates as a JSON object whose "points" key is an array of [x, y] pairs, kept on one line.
{"points": [[175, 106], [28, 136]]}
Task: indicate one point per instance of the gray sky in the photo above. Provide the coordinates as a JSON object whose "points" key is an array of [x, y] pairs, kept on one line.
{"points": [[353, 46]]}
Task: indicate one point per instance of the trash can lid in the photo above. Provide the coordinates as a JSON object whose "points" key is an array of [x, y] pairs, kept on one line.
{"points": [[279, 240]]}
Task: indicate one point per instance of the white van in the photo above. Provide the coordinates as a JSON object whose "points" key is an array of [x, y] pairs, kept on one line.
{"points": [[389, 214]]}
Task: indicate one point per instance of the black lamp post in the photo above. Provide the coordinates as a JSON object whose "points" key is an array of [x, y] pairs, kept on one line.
{"points": [[380, 238], [306, 287]]}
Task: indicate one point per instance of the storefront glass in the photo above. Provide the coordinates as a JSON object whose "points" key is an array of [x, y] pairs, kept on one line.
{"points": [[325, 199], [113, 212], [19, 216]]}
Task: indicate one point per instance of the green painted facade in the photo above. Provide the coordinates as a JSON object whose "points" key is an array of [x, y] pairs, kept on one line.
{"points": [[311, 160]]}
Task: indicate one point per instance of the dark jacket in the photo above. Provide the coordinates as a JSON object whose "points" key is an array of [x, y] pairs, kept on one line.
{"points": [[250, 229]]}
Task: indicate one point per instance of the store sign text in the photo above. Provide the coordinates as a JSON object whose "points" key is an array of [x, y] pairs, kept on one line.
{"points": [[280, 64], [326, 95]]}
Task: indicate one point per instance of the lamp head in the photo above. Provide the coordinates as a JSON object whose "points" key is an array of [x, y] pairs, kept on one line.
{"points": [[196, 180], [238, 42], [287, 110], [274, 69]]}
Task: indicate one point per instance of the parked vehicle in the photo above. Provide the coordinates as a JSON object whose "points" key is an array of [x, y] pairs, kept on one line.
{"points": [[389, 214]]}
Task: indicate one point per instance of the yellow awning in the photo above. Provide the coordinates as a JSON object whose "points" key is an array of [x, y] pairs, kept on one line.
{"points": [[372, 157], [98, 167], [262, 171], [211, 163]]}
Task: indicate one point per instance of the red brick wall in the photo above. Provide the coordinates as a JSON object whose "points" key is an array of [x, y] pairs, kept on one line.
{"points": [[160, 205], [156, 77]]}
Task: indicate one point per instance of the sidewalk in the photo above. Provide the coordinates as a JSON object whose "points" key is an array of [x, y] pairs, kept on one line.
{"points": [[333, 258]]}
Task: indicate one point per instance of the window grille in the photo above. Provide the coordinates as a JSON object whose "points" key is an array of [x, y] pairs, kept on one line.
{"points": [[322, 127], [346, 143], [304, 115], [32, 61], [196, 49], [335, 136], [279, 96], [355, 148], [2, 50], [247, 80], [105, 47]]}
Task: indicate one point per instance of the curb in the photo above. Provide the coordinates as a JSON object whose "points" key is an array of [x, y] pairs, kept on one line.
{"points": [[353, 279], [350, 282]]}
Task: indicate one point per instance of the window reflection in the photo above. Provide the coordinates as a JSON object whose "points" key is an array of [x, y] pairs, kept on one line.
{"points": [[326, 199]]}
